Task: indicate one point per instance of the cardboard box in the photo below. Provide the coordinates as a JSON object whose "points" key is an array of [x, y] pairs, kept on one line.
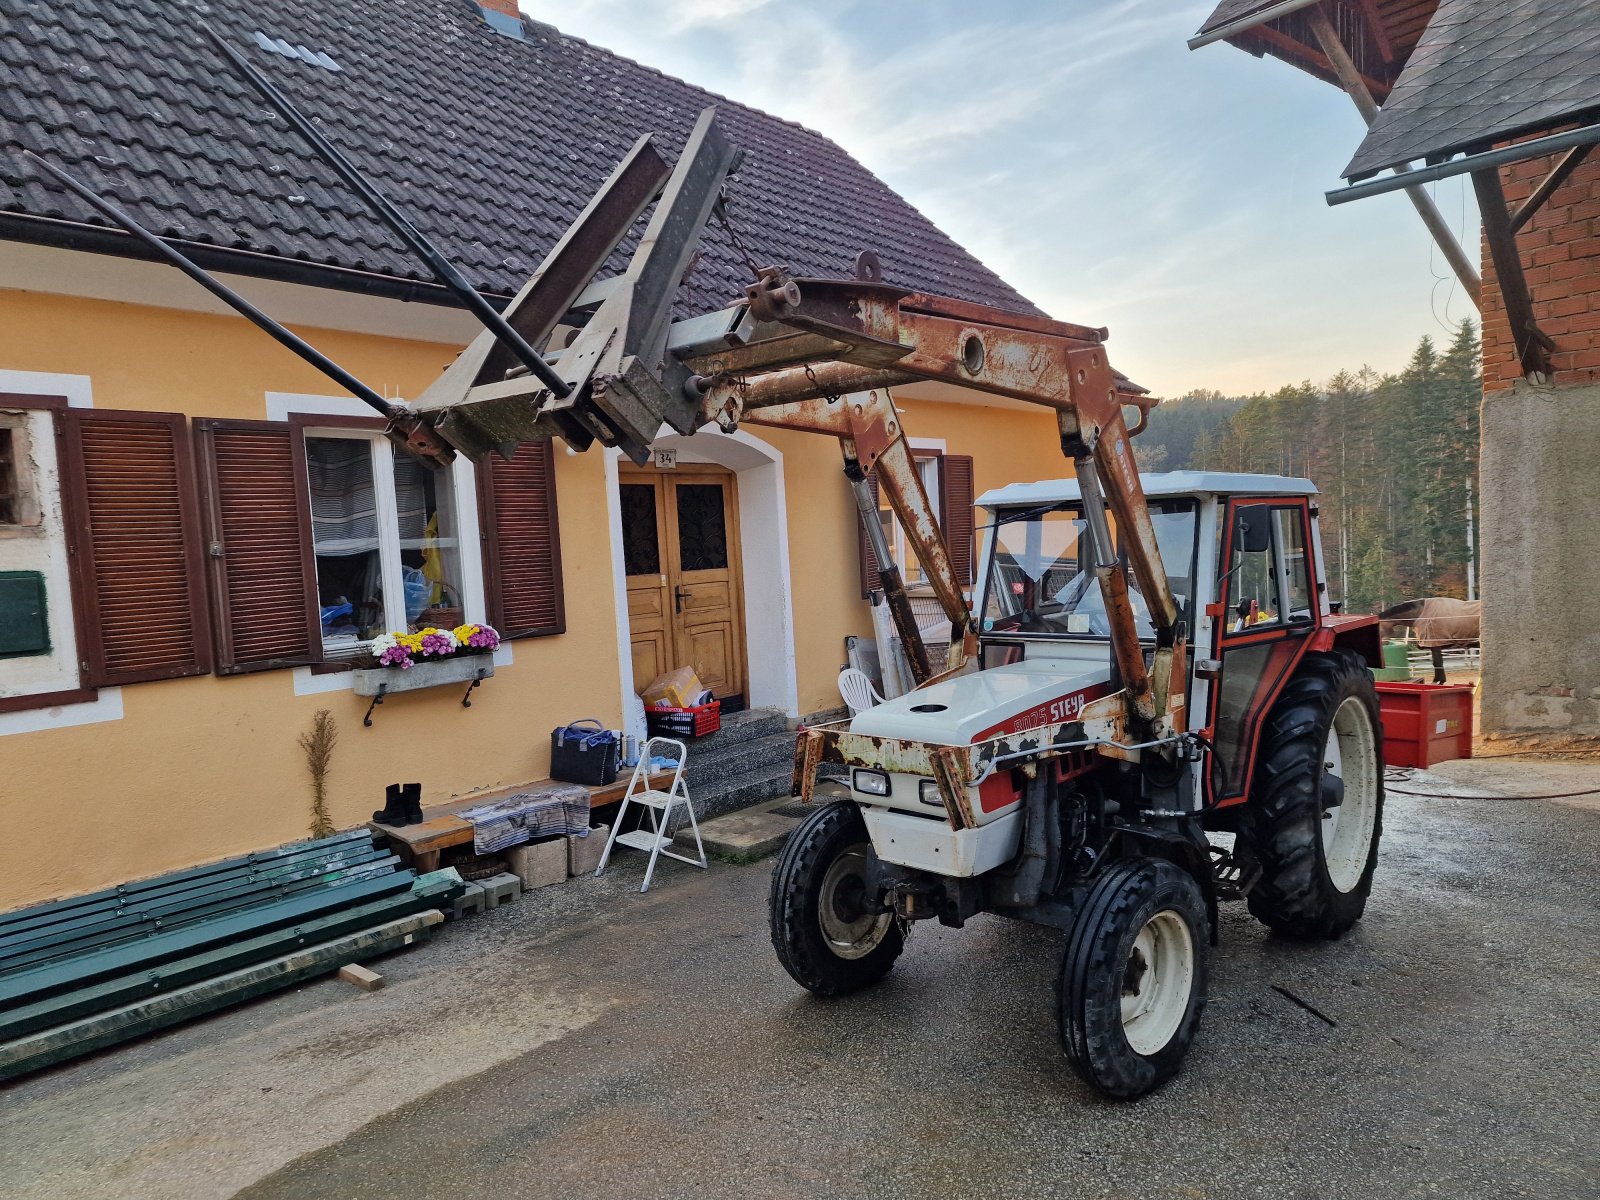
{"points": [[675, 689]]}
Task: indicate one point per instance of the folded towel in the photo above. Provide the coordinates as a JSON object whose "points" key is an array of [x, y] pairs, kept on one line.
{"points": [[547, 811]]}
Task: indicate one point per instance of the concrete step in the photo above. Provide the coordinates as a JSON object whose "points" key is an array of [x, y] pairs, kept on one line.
{"points": [[738, 728], [741, 791], [740, 758], [748, 835]]}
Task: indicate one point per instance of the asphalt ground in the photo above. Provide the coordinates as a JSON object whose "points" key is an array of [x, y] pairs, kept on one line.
{"points": [[589, 1042]]}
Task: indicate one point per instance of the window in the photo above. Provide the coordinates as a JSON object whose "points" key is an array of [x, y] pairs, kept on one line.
{"points": [[1041, 581], [894, 533], [1268, 577], [10, 495], [948, 480], [322, 535], [383, 533], [1289, 535]]}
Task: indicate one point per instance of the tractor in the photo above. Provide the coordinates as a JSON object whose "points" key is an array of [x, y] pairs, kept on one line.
{"points": [[1061, 816]]}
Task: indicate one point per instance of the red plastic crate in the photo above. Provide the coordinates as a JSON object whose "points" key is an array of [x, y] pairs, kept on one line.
{"points": [[685, 722], [1425, 723]]}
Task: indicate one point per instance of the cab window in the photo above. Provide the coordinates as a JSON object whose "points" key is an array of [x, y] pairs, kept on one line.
{"points": [[1269, 572]]}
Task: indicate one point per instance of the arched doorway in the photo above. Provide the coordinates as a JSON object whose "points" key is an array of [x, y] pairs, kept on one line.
{"points": [[748, 475]]}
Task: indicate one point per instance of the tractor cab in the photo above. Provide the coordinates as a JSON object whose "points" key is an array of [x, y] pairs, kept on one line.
{"points": [[1243, 561]]}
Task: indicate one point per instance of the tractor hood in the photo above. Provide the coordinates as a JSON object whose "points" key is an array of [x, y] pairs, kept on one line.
{"points": [[985, 704]]}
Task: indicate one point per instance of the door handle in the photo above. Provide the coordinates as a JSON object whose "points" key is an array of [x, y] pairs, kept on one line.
{"points": [[678, 595]]}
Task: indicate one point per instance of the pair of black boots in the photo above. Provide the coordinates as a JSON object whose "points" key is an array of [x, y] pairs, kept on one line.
{"points": [[402, 805]]}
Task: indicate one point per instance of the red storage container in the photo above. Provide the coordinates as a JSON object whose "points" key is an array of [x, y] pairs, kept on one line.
{"points": [[685, 722], [1425, 723]]}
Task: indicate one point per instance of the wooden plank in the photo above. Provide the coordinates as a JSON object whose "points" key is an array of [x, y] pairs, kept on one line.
{"points": [[1533, 347], [20, 1020], [54, 978], [355, 973], [107, 1029], [52, 908]]}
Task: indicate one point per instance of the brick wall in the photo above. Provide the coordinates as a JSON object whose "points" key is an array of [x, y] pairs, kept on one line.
{"points": [[1561, 257]]}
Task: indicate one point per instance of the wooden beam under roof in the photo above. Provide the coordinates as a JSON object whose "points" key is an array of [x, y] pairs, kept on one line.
{"points": [[1533, 345], [1353, 83]]}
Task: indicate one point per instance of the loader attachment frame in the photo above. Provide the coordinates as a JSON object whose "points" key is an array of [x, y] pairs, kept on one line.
{"points": [[589, 359]]}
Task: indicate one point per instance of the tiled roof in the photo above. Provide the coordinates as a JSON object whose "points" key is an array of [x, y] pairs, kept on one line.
{"points": [[490, 144], [1485, 71]]}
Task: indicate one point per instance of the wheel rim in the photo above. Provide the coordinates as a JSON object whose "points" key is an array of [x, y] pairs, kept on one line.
{"points": [[850, 931], [1352, 756], [1156, 982]]}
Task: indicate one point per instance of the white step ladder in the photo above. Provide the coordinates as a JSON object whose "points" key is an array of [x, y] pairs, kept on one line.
{"points": [[657, 837]]}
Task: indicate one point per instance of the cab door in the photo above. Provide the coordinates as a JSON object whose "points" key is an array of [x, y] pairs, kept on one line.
{"points": [[1264, 620]]}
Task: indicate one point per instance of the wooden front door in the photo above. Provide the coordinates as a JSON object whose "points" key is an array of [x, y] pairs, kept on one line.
{"points": [[680, 543]]}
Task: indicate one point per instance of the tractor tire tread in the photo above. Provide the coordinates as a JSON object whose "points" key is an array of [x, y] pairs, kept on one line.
{"points": [[1294, 895], [1097, 948], [793, 899]]}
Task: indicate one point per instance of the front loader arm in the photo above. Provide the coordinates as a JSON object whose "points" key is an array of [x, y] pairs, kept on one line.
{"points": [[857, 338]]}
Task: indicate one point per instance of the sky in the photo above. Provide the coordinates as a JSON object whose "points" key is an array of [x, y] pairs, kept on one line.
{"points": [[1110, 174]]}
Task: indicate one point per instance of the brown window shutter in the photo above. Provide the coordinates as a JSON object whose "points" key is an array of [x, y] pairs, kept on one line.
{"points": [[258, 537], [522, 542], [870, 580], [955, 508], [137, 560]]}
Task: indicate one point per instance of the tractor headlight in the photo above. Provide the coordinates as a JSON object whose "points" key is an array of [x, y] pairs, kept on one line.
{"points": [[928, 793], [873, 783]]}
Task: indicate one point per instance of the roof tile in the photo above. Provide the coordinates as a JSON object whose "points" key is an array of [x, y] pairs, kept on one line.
{"points": [[1484, 73]]}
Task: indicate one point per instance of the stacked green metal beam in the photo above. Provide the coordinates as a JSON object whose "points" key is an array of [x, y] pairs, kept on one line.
{"points": [[35, 1051], [116, 959], [64, 928]]}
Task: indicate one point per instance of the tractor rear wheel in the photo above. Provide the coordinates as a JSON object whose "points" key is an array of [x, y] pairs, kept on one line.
{"points": [[1133, 980], [826, 934], [1316, 806]]}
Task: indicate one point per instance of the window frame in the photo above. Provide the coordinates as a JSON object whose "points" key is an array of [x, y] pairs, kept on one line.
{"points": [[1299, 507], [464, 495], [927, 463]]}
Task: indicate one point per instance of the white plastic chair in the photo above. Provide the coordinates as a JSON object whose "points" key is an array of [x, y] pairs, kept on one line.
{"points": [[856, 688], [658, 836]]}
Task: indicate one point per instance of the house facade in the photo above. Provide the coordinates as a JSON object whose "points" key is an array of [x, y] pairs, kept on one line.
{"points": [[197, 530]]}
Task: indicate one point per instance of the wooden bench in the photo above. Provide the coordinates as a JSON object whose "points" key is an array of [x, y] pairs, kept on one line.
{"points": [[442, 825]]}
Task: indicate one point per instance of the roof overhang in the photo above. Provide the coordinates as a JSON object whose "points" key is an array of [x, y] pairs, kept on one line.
{"points": [[1243, 24], [1583, 136], [1157, 485]]}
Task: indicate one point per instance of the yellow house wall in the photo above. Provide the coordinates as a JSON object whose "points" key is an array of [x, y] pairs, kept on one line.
{"points": [[207, 767]]}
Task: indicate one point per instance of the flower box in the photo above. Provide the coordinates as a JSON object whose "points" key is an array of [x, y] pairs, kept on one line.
{"points": [[430, 672]]}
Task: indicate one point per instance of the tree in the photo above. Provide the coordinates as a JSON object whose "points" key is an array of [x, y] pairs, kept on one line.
{"points": [[1395, 458]]}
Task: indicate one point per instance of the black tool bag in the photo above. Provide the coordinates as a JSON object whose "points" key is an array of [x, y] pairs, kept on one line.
{"points": [[583, 752]]}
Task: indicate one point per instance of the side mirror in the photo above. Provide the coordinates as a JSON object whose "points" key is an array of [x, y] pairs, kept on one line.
{"points": [[1252, 531]]}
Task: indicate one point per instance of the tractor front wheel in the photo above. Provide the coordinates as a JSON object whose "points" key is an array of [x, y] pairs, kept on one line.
{"points": [[1316, 805], [828, 935], [1133, 981]]}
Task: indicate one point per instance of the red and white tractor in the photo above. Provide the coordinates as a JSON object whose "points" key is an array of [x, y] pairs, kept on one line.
{"points": [[1021, 788]]}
